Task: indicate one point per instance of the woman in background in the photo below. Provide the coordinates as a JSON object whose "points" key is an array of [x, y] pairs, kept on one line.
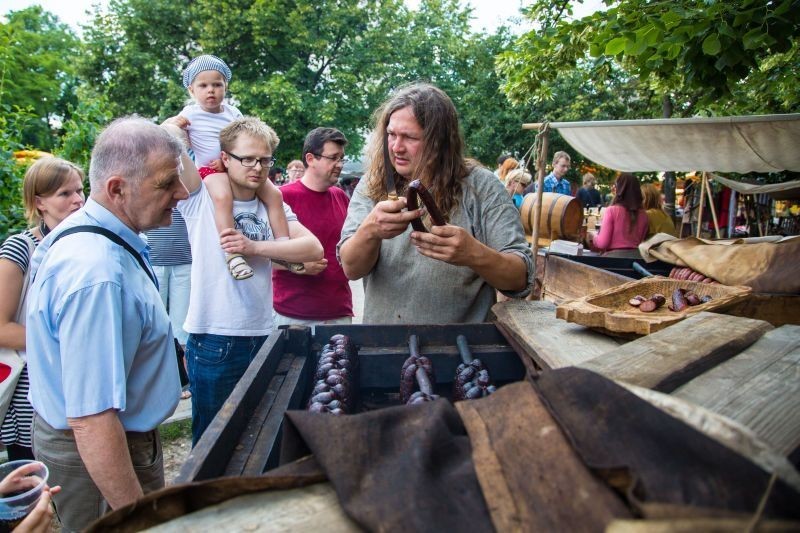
{"points": [[507, 166], [516, 181], [658, 219], [624, 223], [51, 191]]}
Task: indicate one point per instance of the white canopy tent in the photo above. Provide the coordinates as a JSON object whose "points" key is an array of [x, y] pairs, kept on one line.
{"points": [[761, 143]]}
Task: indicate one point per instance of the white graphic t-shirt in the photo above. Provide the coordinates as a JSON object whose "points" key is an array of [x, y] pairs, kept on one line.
{"points": [[219, 304]]}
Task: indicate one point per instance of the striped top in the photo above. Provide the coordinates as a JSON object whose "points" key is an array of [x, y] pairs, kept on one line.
{"points": [[15, 249], [16, 428], [169, 246]]}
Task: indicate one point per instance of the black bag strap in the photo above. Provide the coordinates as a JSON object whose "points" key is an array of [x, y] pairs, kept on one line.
{"points": [[112, 236]]}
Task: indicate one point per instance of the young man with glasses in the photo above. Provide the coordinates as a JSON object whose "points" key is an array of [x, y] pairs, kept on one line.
{"points": [[320, 293], [229, 320]]}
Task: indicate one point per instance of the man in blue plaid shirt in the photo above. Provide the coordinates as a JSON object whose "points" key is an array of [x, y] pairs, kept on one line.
{"points": [[555, 181]]}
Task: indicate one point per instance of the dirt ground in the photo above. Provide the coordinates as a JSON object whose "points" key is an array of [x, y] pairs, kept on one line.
{"points": [[176, 440]]}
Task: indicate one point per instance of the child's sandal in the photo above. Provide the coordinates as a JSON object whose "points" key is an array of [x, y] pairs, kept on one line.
{"points": [[238, 267]]}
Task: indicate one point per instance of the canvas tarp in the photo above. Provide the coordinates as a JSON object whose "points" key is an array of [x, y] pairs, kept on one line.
{"points": [[751, 188], [767, 143]]}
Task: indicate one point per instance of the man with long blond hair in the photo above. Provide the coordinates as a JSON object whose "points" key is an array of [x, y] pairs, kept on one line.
{"points": [[450, 273]]}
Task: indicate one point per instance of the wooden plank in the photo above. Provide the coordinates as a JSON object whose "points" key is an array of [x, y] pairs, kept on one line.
{"points": [[550, 342], [691, 525], [555, 491], [290, 396], [250, 434], [567, 280], [759, 388], [677, 354], [777, 309], [212, 452], [308, 509]]}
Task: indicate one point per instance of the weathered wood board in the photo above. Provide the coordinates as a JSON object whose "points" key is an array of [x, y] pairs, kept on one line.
{"points": [[309, 509], [673, 356], [555, 491], [759, 388], [550, 342], [567, 280], [777, 309]]}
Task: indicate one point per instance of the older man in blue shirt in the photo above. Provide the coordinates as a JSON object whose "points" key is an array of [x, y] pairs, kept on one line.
{"points": [[100, 353], [555, 181]]}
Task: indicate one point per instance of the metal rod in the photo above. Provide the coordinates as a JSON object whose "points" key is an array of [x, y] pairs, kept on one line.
{"points": [[463, 349], [423, 381]]}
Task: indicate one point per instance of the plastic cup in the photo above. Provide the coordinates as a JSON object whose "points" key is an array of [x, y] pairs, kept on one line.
{"points": [[20, 499]]}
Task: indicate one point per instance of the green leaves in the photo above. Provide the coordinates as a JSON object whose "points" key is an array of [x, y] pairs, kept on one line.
{"points": [[711, 45], [616, 46]]}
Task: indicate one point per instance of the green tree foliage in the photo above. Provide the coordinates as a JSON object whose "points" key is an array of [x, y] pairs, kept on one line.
{"points": [[303, 64], [86, 121], [13, 121], [35, 70], [707, 54]]}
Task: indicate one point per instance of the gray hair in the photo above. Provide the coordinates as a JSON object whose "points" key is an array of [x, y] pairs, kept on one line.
{"points": [[124, 148]]}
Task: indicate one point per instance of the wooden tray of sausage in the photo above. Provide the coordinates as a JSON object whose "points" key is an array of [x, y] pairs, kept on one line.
{"points": [[245, 436], [611, 311]]}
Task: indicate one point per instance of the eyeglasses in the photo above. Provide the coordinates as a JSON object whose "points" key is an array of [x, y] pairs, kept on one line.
{"points": [[335, 159], [250, 162]]}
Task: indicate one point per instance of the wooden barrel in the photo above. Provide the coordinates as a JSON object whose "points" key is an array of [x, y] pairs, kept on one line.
{"points": [[561, 218]]}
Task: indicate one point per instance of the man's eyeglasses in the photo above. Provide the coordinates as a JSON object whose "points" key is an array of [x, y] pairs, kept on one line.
{"points": [[335, 159], [250, 162]]}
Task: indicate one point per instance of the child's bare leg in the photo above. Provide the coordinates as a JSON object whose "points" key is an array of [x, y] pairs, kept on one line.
{"points": [[220, 190], [270, 196]]}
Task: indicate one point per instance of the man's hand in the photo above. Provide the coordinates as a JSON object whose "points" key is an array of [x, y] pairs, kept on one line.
{"points": [[234, 242], [388, 220], [451, 244], [217, 165], [312, 268]]}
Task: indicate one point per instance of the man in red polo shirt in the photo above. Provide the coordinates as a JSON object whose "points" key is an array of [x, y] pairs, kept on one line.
{"points": [[321, 293]]}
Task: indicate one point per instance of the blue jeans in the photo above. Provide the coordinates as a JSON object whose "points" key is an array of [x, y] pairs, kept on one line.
{"points": [[216, 363]]}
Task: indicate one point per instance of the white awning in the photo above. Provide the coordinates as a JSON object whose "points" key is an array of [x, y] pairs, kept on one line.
{"points": [[750, 188], [765, 143]]}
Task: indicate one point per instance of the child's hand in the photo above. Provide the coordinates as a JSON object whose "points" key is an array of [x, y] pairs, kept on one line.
{"points": [[217, 165], [312, 268], [178, 120]]}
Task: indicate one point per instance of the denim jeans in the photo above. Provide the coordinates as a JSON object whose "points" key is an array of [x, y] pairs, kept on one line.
{"points": [[216, 363], [174, 284]]}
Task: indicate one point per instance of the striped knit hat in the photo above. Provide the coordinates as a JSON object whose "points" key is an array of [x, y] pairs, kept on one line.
{"points": [[205, 62]]}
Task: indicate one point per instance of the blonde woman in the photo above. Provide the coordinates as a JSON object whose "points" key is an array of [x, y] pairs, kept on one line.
{"points": [[51, 191], [516, 181], [588, 195], [658, 219]]}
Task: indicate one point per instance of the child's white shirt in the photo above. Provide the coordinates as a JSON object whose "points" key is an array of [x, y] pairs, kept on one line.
{"points": [[204, 130]]}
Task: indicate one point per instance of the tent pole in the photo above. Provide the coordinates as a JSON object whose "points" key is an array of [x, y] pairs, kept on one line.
{"points": [[731, 213], [537, 211], [702, 201], [711, 203]]}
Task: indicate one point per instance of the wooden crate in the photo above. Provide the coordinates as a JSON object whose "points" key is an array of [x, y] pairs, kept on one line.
{"points": [[245, 436], [610, 311]]}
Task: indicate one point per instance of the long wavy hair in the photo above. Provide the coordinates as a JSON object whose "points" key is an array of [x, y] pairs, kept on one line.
{"points": [[629, 197], [441, 165]]}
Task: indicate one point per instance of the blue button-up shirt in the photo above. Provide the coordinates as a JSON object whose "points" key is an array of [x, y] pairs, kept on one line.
{"points": [[553, 184], [97, 334]]}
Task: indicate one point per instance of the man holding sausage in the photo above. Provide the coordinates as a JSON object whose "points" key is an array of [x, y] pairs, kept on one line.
{"points": [[450, 273]]}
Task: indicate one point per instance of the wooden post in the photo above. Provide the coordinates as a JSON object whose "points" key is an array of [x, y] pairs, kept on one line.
{"points": [[702, 201], [711, 203], [537, 212], [731, 214]]}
